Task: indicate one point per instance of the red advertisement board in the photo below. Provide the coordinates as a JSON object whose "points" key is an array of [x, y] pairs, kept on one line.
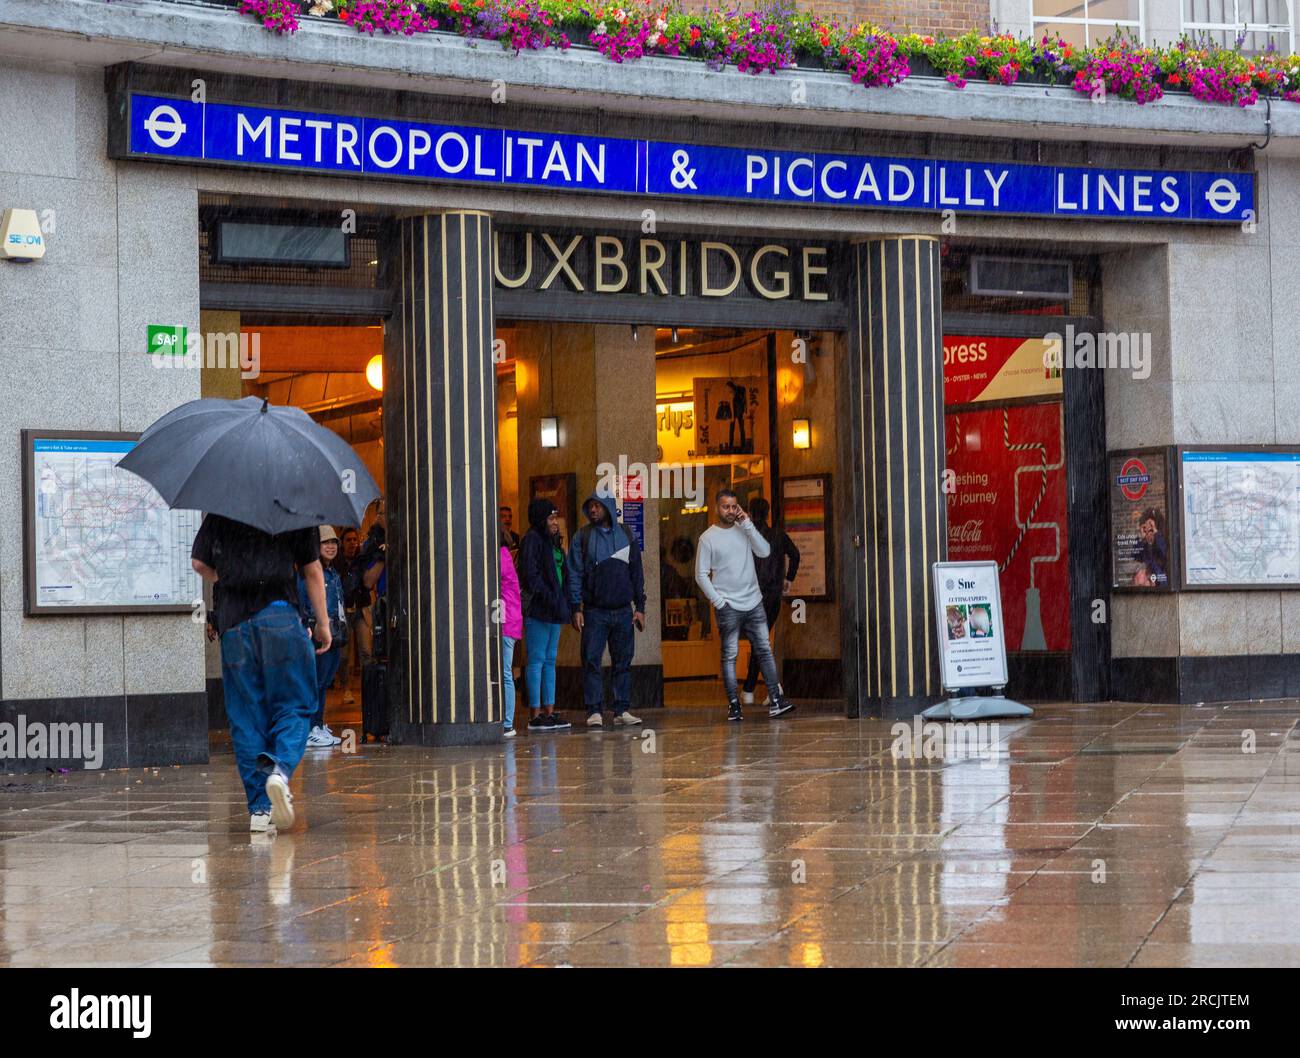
{"points": [[979, 367], [1009, 505]]}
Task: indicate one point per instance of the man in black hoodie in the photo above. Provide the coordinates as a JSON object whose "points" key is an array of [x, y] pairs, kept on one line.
{"points": [[546, 609], [776, 575], [607, 597]]}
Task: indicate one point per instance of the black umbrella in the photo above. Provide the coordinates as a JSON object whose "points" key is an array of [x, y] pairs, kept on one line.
{"points": [[264, 465]]}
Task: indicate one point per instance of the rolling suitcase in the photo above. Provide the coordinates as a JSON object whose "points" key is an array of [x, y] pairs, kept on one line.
{"points": [[374, 700]]}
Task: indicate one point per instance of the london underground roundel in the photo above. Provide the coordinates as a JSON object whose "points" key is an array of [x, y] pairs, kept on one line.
{"points": [[1133, 479]]}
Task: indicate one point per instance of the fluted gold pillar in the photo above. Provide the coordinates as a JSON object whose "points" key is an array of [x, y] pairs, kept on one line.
{"points": [[896, 380], [441, 467]]}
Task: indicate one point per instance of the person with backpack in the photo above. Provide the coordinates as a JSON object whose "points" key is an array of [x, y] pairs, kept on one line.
{"points": [[607, 596], [512, 630], [546, 610], [776, 574]]}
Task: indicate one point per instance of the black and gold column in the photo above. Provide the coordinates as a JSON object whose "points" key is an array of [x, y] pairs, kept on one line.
{"points": [[444, 672], [896, 379]]}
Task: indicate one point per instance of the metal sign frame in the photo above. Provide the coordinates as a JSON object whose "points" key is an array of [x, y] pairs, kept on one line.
{"points": [[937, 571]]}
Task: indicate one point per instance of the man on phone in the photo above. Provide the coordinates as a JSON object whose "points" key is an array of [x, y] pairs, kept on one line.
{"points": [[724, 570]]}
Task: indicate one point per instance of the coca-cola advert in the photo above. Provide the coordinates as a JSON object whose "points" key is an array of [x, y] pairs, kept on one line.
{"points": [[1007, 504]]}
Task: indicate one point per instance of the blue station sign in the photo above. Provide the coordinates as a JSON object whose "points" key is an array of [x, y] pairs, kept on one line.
{"points": [[227, 134]]}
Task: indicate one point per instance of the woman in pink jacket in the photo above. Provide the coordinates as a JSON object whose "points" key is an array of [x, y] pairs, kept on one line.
{"points": [[512, 630]]}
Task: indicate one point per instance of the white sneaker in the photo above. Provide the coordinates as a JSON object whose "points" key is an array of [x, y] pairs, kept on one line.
{"points": [[260, 823], [626, 720], [319, 737], [334, 739], [746, 697], [277, 789], [595, 720], [509, 732]]}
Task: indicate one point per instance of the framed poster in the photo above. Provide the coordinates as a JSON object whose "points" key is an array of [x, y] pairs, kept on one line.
{"points": [[1142, 520], [730, 415], [968, 619], [1240, 516], [98, 540], [561, 490], [806, 518]]}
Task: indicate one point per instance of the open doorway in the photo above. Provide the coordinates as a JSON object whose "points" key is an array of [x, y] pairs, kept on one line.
{"points": [[699, 409], [332, 370]]}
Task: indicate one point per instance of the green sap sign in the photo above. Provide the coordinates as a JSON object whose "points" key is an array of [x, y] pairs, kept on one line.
{"points": [[167, 341]]}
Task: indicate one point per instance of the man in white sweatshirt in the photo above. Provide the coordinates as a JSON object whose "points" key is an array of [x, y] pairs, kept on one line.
{"points": [[724, 570]]}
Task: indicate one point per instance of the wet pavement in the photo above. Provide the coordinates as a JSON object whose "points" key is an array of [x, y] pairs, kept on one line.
{"points": [[1106, 835]]}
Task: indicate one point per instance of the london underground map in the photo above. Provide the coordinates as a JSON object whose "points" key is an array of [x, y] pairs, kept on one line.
{"points": [[1241, 518], [101, 537]]}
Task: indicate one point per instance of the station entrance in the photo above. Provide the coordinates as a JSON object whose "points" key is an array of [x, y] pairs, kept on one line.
{"points": [[668, 415]]}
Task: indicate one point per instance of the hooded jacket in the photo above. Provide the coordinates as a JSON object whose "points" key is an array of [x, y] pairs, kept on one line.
{"points": [[538, 579], [605, 569]]}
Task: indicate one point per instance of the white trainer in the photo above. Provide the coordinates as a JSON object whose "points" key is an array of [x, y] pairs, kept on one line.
{"points": [[626, 720], [334, 739], [260, 823], [320, 738], [595, 720], [746, 697], [277, 789]]}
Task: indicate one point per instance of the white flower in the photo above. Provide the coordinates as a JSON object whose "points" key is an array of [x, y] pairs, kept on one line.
{"points": [[620, 16], [653, 39], [600, 29], [660, 25], [321, 7]]}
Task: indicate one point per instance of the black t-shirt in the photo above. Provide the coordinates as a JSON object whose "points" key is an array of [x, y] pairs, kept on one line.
{"points": [[254, 569], [355, 594]]}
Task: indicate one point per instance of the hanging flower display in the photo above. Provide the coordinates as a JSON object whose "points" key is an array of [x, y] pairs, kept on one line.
{"points": [[776, 36]]}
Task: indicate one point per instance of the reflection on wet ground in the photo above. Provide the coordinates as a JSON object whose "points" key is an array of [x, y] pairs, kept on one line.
{"points": [[1088, 836]]}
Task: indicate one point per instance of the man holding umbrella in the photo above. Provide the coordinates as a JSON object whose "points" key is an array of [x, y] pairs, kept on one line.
{"points": [[267, 478], [268, 672]]}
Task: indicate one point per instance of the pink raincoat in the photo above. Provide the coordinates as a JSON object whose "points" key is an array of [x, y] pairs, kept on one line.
{"points": [[513, 618]]}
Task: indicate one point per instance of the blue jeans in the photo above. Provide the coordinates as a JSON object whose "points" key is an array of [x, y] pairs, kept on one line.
{"points": [[327, 665], [731, 622], [771, 611], [542, 640], [600, 627], [269, 678], [508, 682]]}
